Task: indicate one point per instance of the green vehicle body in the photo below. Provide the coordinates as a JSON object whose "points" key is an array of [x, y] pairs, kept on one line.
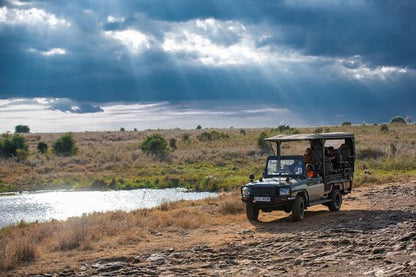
{"points": [[285, 184]]}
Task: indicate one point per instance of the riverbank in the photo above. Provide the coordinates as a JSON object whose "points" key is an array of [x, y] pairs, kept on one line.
{"points": [[201, 162], [212, 237]]}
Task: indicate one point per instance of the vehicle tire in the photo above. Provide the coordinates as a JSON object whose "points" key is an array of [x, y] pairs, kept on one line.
{"points": [[298, 209], [336, 200], [252, 212]]}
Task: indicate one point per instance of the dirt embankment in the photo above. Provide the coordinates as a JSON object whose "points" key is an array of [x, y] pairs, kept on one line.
{"points": [[374, 234]]}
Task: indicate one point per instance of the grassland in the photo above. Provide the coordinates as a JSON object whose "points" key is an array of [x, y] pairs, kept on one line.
{"points": [[113, 160]]}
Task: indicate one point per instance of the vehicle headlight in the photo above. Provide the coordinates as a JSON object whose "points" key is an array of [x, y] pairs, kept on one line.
{"points": [[284, 191], [245, 191]]}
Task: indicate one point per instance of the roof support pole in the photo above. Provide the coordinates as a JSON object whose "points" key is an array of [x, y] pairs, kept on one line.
{"points": [[278, 148]]}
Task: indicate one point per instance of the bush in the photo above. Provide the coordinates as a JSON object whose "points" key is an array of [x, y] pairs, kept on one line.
{"points": [[198, 127], [186, 138], [65, 146], [42, 147], [154, 145], [21, 154], [122, 129], [21, 129], [213, 135], [283, 127], [318, 130], [242, 132], [384, 128], [9, 146], [346, 123], [172, 144], [397, 120], [261, 143]]}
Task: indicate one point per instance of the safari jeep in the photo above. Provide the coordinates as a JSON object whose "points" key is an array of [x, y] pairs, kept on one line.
{"points": [[291, 185]]}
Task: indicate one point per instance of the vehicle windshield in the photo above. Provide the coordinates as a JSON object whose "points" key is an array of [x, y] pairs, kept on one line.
{"points": [[285, 166]]}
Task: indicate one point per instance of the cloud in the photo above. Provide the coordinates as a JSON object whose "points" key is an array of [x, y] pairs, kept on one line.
{"points": [[134, 40], [335, 55], [50, 52], [30, 17]]}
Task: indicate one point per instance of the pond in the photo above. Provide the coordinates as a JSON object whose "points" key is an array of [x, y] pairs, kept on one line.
{"points": [[45, 205]]}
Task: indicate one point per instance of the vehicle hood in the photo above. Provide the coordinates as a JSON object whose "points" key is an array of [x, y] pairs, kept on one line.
{"points": [[278, 181]]}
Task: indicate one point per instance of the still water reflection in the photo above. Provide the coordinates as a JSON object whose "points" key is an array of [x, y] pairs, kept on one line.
{"points": [[60, 205]]}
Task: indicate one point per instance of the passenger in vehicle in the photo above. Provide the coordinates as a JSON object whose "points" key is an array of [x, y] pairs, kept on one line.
{"points": [[334, 159], [309, 171], [309, 156]]}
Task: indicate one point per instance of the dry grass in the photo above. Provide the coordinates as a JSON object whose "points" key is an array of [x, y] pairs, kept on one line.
{"points": [[115, 159], [15, 251]]}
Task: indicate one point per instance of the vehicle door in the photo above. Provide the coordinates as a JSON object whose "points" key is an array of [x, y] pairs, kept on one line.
{"points": [[315, 188]]}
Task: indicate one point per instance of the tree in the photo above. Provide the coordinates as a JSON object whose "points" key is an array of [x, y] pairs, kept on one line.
{"points": [[346, 123], [261, 143], [122, 129], [397, 120], [21, 129], [10, 146], [198, 127], [155, 145], [42, 147], [65, 146]]}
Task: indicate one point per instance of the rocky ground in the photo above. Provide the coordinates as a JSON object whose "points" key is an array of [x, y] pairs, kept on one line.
{"points": [[374, 234]]}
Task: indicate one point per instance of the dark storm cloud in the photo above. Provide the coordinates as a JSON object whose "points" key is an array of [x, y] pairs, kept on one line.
{"points": [[345, 57]]}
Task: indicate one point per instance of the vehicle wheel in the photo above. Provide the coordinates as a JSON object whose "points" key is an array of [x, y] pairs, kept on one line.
{"points": [[252, 212], [336, 200], [298, 209]]}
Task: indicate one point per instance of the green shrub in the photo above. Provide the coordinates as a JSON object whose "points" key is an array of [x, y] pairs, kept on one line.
{"points": [[283, 127], [65, 146], [122, 129], [172, 144], [211, 136], [21, 129], [397, 120], [154, 145], [9, 146], [261, 143], [198, 127], [21, 154], [42, 147], [346, 123]]}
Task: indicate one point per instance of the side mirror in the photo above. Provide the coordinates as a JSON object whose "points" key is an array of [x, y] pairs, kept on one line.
{"points": [[251, 177]]}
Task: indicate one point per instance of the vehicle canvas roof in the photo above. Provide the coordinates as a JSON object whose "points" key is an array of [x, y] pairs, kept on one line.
{"points": [[335, 135]]}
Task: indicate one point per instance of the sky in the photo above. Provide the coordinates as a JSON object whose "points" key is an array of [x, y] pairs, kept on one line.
{"points": [[102, 65]]}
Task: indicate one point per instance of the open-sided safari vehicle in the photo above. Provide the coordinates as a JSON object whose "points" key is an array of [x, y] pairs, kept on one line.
{"points": [[292, 183]]}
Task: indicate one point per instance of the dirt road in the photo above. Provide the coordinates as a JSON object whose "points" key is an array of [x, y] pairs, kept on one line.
{"points": [[374, 234]]}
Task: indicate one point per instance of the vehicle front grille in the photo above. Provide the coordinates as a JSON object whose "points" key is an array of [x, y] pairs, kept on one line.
{"points": [[263, 191]]}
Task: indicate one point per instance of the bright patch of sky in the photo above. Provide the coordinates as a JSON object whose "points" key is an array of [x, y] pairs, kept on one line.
{"points": [[62, 115]]}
